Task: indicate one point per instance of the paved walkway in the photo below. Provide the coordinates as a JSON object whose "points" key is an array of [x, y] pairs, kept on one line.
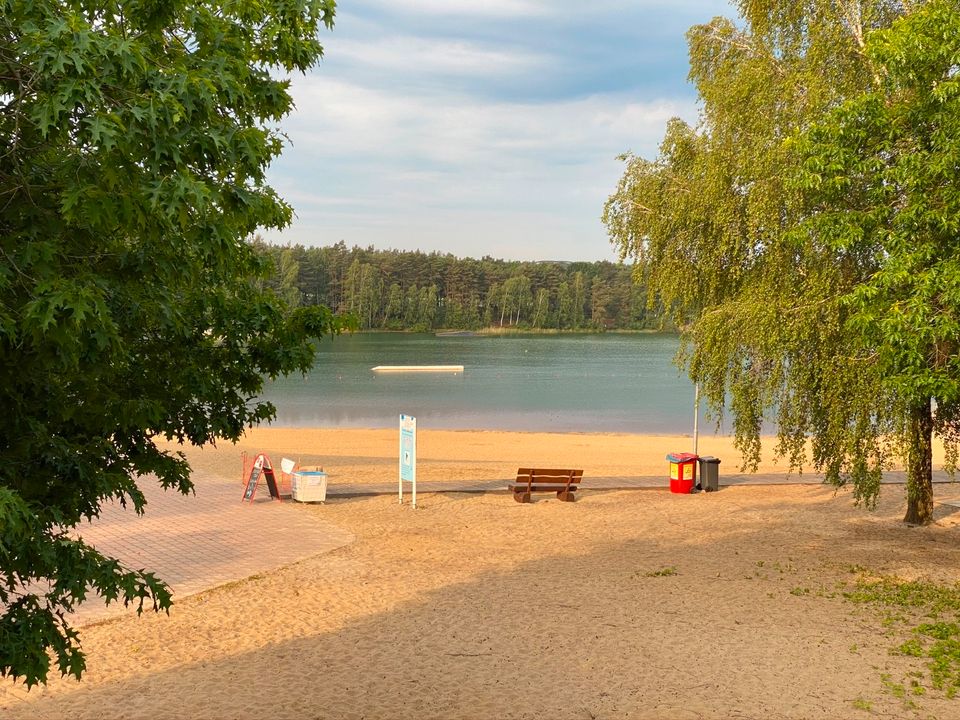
{"points": [[198, 542]]}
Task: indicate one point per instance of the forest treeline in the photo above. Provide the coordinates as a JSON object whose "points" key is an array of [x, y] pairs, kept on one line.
{"points": [[397, 290]]}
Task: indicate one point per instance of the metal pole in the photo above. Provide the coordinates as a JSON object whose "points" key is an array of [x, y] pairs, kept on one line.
{"points": [[400, 466], [696, 416]]}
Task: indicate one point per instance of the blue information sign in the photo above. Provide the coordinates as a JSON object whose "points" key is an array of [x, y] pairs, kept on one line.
{"points": [[408, 454]]}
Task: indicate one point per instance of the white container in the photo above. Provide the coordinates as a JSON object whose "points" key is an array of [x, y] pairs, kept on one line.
{"points": [[309, 486]]}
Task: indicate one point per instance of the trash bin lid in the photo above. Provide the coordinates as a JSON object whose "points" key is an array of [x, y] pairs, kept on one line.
{"points": [[709, 459], [681, 457]]}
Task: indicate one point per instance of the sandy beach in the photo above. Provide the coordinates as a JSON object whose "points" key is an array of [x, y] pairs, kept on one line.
{"points": [[370, 456], [624, 604]]}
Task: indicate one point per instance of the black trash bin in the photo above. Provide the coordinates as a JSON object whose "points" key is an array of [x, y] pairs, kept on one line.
{"points": [[709, 473]]}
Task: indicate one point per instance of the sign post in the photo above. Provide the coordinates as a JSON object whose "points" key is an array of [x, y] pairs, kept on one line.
{"points": [[408, 455]]}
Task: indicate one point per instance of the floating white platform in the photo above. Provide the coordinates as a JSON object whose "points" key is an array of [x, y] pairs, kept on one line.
{"points": [[418, 368]]}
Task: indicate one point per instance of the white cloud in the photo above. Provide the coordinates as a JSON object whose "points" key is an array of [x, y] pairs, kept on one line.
{"points": [[489, 8], [454, 174], [427, 57], [418, 134], [457, 129]]}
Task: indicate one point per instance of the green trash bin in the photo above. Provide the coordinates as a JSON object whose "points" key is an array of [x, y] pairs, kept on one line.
{"points": [[709, 473]]}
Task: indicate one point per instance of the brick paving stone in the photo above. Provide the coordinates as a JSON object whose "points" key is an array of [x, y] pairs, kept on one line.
{"points": [[199, 541]]}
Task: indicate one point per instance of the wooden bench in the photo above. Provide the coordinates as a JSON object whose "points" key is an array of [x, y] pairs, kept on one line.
{"points": [[530, 480]]}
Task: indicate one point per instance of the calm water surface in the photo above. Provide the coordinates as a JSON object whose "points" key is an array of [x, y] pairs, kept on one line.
{"points": [[563, 383]]}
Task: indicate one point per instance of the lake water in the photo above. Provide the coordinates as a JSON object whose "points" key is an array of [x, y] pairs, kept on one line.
{"points": [[559, 383]]}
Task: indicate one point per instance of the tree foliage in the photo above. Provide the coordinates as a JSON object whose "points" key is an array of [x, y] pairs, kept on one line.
{"points": [[787, 212], [133, 142], [879, 179], [393, 290]]}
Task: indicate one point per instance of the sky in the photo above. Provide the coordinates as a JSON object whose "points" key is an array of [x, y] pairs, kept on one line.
{"points": [[481, 127]]}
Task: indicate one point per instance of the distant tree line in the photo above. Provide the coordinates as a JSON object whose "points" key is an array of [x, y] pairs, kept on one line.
{"points": [[397, 290]]}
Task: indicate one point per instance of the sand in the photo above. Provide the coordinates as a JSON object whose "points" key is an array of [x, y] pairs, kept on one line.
{"points": [[370, 456], [625, 604]]}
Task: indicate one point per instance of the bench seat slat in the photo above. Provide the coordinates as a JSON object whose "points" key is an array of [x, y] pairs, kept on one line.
{"points": [[549, 475], [564, 482], [545, 486]]}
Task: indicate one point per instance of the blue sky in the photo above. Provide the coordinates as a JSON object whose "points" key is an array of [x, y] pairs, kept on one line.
{"points": [[481, 127]]}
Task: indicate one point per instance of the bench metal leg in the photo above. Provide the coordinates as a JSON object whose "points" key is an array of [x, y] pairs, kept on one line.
{"points": [[565, 495], [521, 497]]}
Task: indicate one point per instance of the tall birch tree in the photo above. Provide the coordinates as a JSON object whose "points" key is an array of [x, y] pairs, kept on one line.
{"points": [[775, 256]]}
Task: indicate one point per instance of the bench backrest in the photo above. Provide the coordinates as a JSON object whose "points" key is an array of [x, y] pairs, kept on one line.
{"points": [[540, 476]]}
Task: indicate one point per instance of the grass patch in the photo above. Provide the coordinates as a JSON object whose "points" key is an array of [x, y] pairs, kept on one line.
{"points": [[662, 572], [930, 614]]}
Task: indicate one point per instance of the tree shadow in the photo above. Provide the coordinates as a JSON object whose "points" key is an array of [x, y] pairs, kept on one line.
{"points": [[701, 619]]}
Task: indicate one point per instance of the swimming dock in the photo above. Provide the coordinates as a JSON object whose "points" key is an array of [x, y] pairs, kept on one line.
{"points": [[418, 368]]}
